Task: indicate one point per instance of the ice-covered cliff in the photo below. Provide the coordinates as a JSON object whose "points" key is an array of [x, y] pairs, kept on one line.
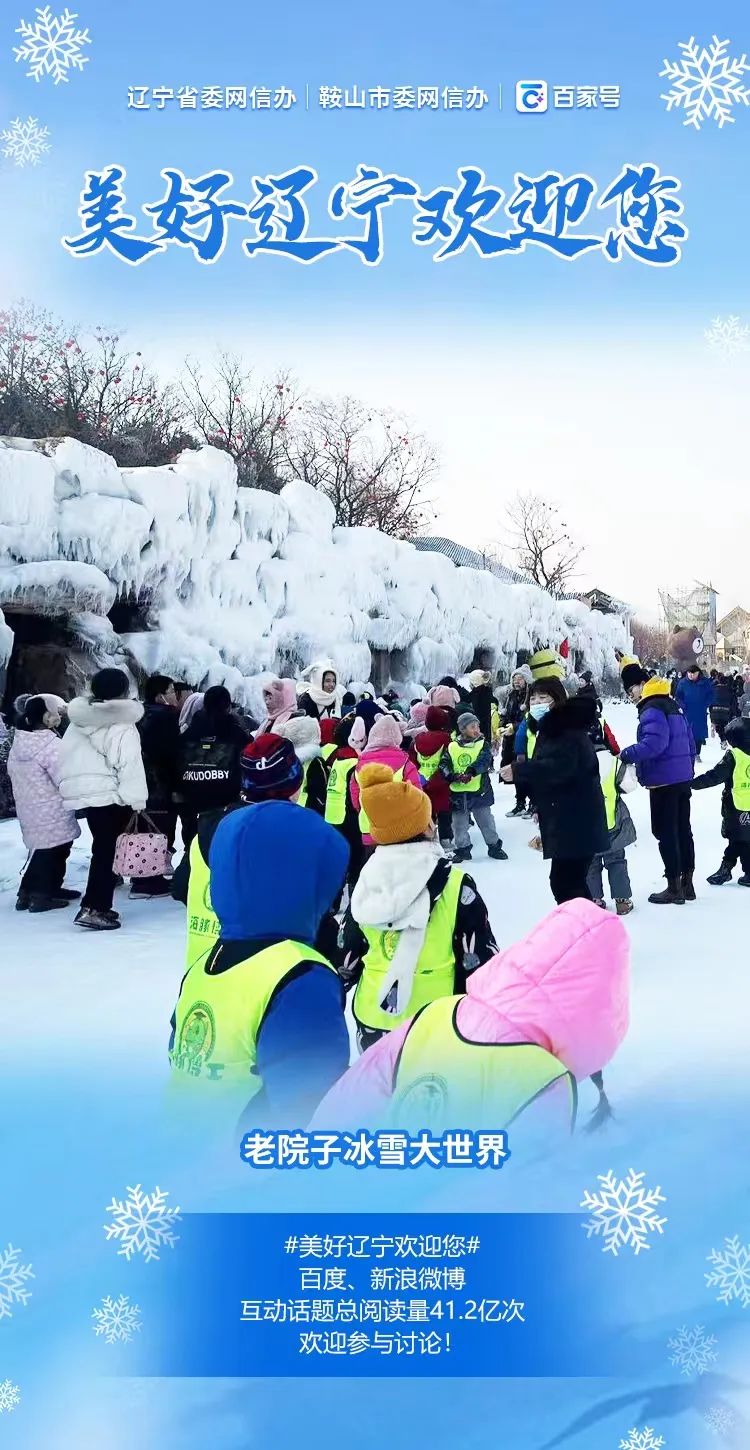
{"points": [[234, 582]]}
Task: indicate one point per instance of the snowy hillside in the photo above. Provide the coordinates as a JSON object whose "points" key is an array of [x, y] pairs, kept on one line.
{"points": [[236, 582]]}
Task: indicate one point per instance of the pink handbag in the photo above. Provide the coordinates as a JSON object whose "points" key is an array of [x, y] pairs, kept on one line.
{"points": [[141, 853]]}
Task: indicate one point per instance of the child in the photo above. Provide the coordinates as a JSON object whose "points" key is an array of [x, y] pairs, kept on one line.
{"points": [[622, 832], [733, 771], [466, 765], [47, 826], [383, 747], [304, 733], [429, 747]]}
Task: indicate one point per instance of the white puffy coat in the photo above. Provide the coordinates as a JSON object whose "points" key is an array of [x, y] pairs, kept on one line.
{"points": [[100, 757]]}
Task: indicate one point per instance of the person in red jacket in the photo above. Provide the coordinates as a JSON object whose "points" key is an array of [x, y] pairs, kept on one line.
{"points": [[429, 745]]}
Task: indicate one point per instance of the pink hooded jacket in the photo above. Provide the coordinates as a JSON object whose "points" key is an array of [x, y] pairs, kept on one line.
{"points": [[395, 759], [281, 702], [564, 988]]}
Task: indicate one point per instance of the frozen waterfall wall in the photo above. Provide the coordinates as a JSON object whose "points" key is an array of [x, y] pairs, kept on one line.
{"points": [[232, 583]]}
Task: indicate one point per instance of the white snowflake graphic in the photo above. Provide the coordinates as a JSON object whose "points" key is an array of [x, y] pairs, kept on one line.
{"points": [[13, 1277], [706, 82], [642, 1440], [10, 1396], [693, 1350], [719, 1419], [731, 1272], [52, 45], [623, 1212], [26, 141], [117, 1319], [143, 1222], [727, 336]]}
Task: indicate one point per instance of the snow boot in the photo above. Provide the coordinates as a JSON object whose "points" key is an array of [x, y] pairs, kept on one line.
{"points": [[528, 814], [146, 889], [97, 920], [517, 811], [496, 852], [623, 905], [463, 853], [447, 849], [672, 895], [68, 893], [744, 880], [688, 889], [719, 877], [599, 901], [47, 903], [22, 901]]}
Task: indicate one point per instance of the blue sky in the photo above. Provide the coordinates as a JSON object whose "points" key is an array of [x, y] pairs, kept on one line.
{"points": [[340, 319]]}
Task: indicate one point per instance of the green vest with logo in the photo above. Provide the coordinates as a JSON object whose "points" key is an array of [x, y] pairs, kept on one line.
{"points": [[435, 974], [441, 1079], [219, 1016], [336, 792], [364, 819], [462, 756], [202, 923], [428, 764], [741, 780]]}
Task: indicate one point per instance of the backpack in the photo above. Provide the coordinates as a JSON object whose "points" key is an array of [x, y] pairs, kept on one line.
{"points": [[209, 773]]}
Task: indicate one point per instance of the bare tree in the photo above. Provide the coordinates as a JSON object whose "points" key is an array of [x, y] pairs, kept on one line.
{"points": [[57, 382], [248, 418], [650, 641], [368, 462], [540, 542]]}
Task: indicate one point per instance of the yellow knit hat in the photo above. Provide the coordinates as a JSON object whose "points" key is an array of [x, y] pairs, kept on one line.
{"points": [[397, 811]]}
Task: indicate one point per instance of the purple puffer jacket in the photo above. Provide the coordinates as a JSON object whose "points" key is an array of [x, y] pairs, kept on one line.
{"points": [[664, 753], [34, 769]]}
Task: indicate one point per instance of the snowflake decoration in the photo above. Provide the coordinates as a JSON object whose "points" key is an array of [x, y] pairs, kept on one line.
{"points": [[693, 1350], [728, 336], [719, 1419], [143, 1222], [706, 82], [117, 1319], [10, 1396], [731, 1272], [52, 45], [623, 1212], [26, 141], [642, 1440], [13, 1278]]}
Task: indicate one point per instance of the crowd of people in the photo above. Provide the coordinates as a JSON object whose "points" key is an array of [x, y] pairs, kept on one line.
{"points": [[367, 808]]}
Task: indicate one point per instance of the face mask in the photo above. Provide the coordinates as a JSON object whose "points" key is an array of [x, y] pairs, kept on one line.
{"points": [[538, 712]]}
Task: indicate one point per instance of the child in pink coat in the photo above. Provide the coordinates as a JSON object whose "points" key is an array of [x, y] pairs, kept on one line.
{"points": [[384, 748], [48, 827], [564, 989]]}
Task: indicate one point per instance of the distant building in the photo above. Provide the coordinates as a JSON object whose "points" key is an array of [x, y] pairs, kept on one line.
{"points": [[734, 629]]}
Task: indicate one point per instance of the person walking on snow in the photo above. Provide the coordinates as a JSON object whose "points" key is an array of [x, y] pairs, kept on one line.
{"points": [[429, 747], [695, 694], [514, 714], [733, 772], [416, 926], [561, 777], [664, 757], [466, 765], [48, 827], [102, 778], [622, 833]]}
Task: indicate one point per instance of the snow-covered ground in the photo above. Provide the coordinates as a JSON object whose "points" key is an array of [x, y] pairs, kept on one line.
{"points": [[114, 994]]}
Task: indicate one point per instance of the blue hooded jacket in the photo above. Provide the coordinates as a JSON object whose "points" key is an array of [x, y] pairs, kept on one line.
{"points": [[276, 870]]}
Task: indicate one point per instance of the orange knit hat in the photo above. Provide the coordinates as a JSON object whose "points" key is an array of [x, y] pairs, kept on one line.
{"points": [[396, 809]]}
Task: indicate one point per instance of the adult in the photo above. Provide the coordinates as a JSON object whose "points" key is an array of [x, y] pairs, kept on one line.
{"points": [[303, 732], [182, 692], [664, 757], [317, 690], [102, 778], [561, 778], [280, 700], [695, 695], [481, 700], [159, 729], [188, 709], [514, 712], [48, 827], [210, 751], [725, 703]]}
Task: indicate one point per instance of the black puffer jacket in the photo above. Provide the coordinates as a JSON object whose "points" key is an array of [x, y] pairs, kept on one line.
{"points": [[735, 825], [562, 780], [159, 729]]}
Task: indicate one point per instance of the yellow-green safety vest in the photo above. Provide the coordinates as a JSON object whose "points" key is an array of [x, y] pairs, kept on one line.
{"points": [[530, 743], [328, 750], [609, 791], [302, 797], [336, 791], [741, 779], [428, 764], [462, 756], [364, 819], [202, 922], [435, 973], [442, 1079], [219, 1016]]}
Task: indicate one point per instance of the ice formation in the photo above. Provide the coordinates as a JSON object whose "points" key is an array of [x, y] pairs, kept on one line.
{"points": [[234, 583]]}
